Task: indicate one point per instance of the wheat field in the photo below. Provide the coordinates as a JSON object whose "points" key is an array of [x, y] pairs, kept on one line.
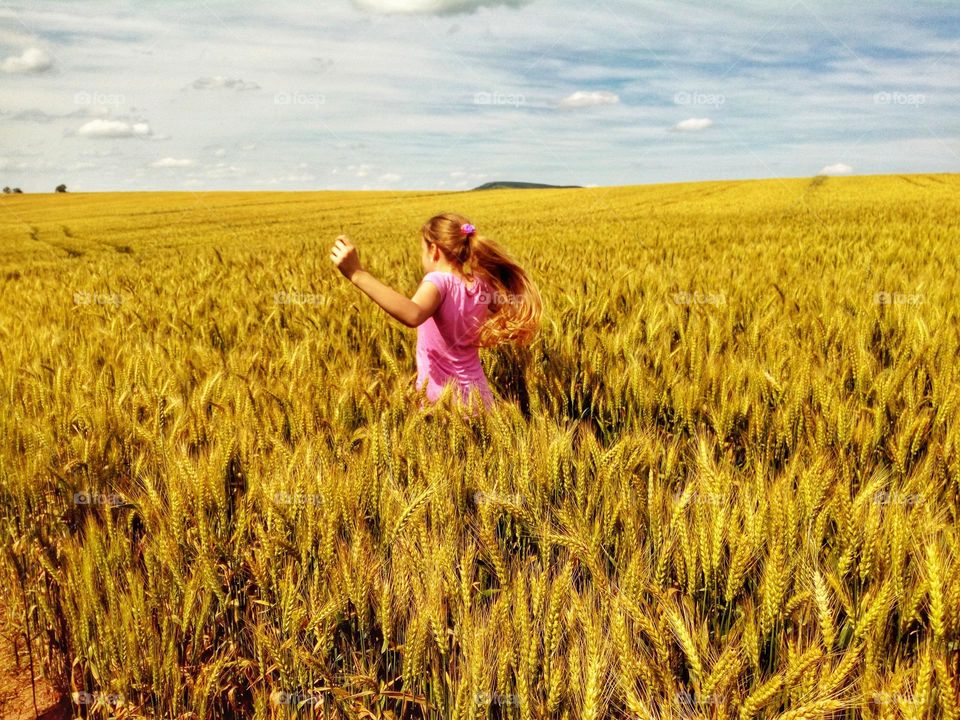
{"points": [[722, 483]]}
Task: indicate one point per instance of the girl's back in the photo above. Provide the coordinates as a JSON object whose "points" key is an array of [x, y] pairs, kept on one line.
{"points": [[446, 342]]}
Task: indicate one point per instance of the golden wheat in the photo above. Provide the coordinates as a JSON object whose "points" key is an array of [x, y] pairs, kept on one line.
{"points": [[722, 494]]}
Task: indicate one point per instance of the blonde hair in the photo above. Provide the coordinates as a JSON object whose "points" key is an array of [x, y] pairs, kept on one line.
{"points": [[515, 305]]}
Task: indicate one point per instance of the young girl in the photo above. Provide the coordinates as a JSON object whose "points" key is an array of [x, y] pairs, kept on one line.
{"points": [[473, 295]]}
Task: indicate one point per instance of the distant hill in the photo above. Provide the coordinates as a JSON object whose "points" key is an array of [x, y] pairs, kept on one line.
{"points": [[502, 185]]}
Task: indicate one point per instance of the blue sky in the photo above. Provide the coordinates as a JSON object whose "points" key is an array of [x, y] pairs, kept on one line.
{"points": [[448, 94]]}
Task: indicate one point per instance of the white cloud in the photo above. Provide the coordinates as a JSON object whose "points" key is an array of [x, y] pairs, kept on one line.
{"points": [[218, 81], [589, 98], [305, 178], [169, 162], [432, 7], [100, 128], [35, 115], [219, 152], [836, 169], [38, 164], [223, 169], [31, 60], [692, 124], [101, 153], [390, 178]]}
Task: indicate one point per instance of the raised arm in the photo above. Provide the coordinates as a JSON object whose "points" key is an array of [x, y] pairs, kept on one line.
{"points": [[410, 311]]}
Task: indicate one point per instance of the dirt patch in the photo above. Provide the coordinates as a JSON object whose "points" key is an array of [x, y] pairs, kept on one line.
{"points": [[16, 692]]}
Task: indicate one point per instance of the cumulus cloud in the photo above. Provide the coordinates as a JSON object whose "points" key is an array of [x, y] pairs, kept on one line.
{"points": [[432, 7], [169, 162], [589, 98], [100, 128], [31, 60], [218, 81], [836, 169], [390, 178], [693, 124]]}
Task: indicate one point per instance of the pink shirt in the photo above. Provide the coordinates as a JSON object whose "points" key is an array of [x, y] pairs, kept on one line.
{"points": [[445, 352]]}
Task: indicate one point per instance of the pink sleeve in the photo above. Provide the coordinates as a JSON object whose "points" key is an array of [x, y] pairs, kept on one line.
{"points": [[440, 280]]}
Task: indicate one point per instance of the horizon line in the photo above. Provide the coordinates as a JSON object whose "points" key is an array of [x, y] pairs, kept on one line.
{"points": [[476, 189]]}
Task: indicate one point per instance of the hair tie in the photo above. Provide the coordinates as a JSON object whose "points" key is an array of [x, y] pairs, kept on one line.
{"points": [[467, 229]]}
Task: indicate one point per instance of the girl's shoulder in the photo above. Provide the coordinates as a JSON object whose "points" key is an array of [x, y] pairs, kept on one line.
{"points": [[446, 277], [438, 277]]}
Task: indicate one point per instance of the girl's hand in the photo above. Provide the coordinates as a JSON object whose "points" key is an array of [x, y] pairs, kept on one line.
{"points": [[344, 256]]}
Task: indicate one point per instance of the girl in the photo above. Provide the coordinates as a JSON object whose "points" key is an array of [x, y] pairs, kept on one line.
{"points": [[473, 295]]}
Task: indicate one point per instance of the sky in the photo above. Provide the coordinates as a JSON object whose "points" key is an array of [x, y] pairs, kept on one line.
{"points": [[450, 94]]}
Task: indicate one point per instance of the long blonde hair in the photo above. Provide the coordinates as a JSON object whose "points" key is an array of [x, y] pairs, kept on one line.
{"points": [[515, 304]]}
